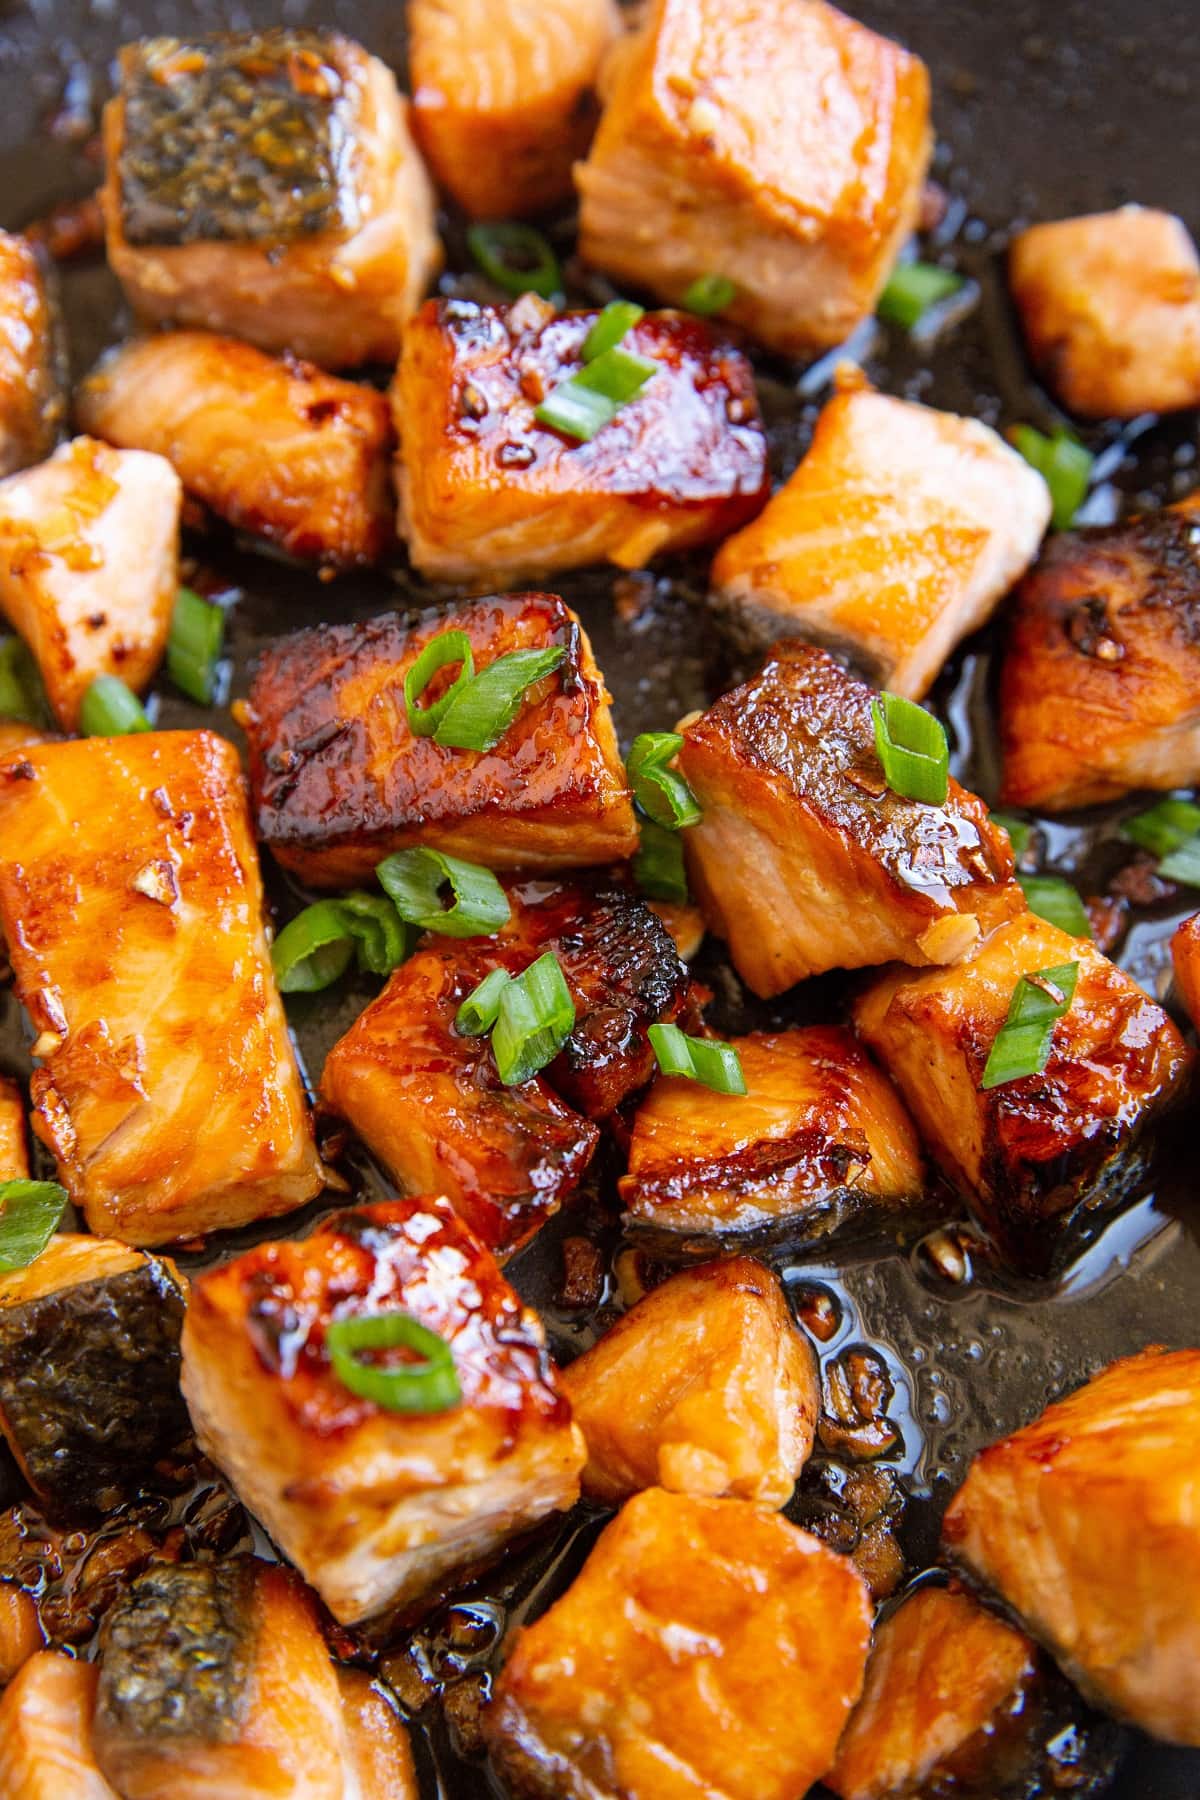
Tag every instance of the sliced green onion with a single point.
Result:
(583, 404)
(1064, 465)
(382, 940)
(1056, 901)
(706, 1060)
(21, 693)
(911, 745)
(312, 950)
(482, 711)
(618, 317)
(535, 1018)
(428, 1385)
(662, 794)
(1019, 833)
(658, 863)
(516, 257)
(479, 1011)
(1023, 1043)
(415, 880)
(439, 653)
(709, 294)
(194, 646)
(111, 709)
(912, 289)
(29, 1216)
(1170, 831)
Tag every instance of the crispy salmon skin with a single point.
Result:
(340, 779)
(487, 493)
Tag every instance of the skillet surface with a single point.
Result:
(1042, 109)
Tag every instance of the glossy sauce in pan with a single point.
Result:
(929, 1352)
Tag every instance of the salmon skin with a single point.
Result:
(33, 401)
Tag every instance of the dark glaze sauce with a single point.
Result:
(1046, 111)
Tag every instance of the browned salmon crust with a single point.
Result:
(131, 902)
(489, 494)
(804, 859)
(775, 142)
(1041, 1149)
(272, 445)
(1100, 690)
(1085, 1524)
(33, 405)
(376, 1507)
(340, 780)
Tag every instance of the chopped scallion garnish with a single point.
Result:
(912, 289)
(194, 646)
(21, 693)
(315, 948)
(1056, 900)
(911, 745)
(382, 940)
(482, 710)
(618, 317)
(1023, 1043)
(29, 1216)
(1170, 831)
(111, 709)
(426, 1384)
(706, 1060)
(658, 864)
(516, 257)
(709, 294)
(1063, 463)
(441, 652)
(1019, 832)
(584, 403)
(479, 1011)
(416, 881)
(535, 1017)
(662, 794)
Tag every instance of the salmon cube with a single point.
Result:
(818, 1140)
(707, 1647)
(377, 1507)
(46, 1747)
(503, 96)
(1042, 1150)
(1084, 1523)
(1110, 304)
(89, 1370)
(131, 902)
(1185, 957)
(32, 368)
(1100, 688)
(265, 184)
(89, 566)
(947, 1684)
(271, 445)
(14, 1154)
(706, 1386)
(781, 145)
(935, 519)
(804, 859)
(340, 780)
(489, 494)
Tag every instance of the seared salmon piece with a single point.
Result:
(1110, 304)
(89, 566)
(376, 1749)
(804, 859)
(1085, 1524)
(935, 519)
(14, 1154)
(947, 1684)
(707, 1647)
(340, 780)
(21, 1634)
(46, 1747)
(266, 184)
(376, 1507)
(215, 1684)
(1100, 688)
(429, 1103)
(503, 96)
(32, 397)
(778, 144)
(131, 902)
(1185, 957)
(489, 494)
(272, 445)
(819, 1138)
(1038, 1151)
(706, 1386)
(89, 1370)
